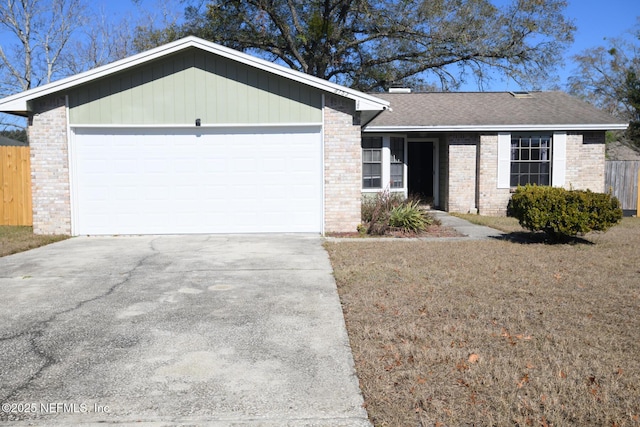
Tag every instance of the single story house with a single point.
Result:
(468, 151)
(194, 137)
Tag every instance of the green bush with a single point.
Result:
(563, 214)
(409, 217)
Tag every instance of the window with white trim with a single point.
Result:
(397, 162)
(372, 162)
(530, 159)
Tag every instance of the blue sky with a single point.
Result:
(597, 20)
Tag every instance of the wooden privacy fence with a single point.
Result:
(621, 177)
(15, 186)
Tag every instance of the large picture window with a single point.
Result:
(372, 162)
(530, 160)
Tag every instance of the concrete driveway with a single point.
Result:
(174, 330)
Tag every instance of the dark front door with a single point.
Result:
(420, 163)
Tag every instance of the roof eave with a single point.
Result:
(499, 128)
(18, 102)
(17, 107)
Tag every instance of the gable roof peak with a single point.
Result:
(17, 104)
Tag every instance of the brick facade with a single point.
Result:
(585, 157)
(585, 161)
(462, 161)
(50, 167)
(492, 201)
(342, 166)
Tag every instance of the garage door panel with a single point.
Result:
(129, 182)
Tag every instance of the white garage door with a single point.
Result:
(170, 181)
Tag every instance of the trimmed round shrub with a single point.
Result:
(563, 214)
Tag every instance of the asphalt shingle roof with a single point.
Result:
(454, 109)
(10, 142)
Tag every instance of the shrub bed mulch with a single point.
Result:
(431, 232)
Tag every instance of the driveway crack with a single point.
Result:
(36, 331)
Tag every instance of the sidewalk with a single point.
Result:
(471, 231)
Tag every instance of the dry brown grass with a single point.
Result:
(14, 239)
(495, 333)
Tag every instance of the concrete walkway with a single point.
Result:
(471, 231)
(175, 330)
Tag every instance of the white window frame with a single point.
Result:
(558, 159)
(372, 162)
(544, 155)
(386, 164)
(403, 163)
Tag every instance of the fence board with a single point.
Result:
(15, 186)
(621, 178)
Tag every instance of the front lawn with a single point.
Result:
(14, 239)
(495, 333)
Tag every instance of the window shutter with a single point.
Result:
(559, 159)
(504, 160)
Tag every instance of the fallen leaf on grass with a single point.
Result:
(505, 333)
(380, 307)
(523, 381)
(462, 382)
(473, 397)
(461, 366)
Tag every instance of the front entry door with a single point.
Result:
(420, 164)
